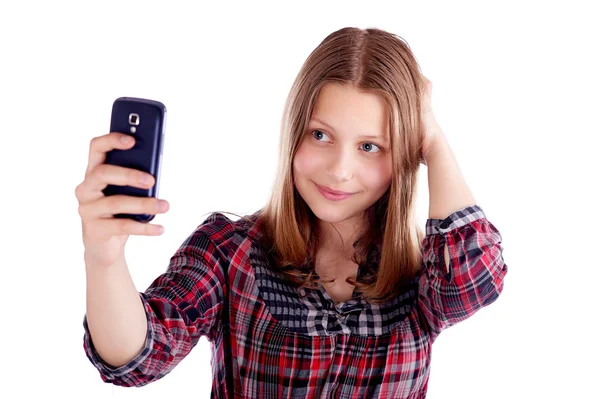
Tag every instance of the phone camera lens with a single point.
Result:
(134, 119)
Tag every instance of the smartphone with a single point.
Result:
(144, 120)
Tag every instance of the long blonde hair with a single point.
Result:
(375, 61)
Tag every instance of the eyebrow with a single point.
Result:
(368, 136)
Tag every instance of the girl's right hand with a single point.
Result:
(104, 237)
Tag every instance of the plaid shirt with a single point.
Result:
(289, 343)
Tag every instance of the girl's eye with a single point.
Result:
(369, 146)
(318, 134)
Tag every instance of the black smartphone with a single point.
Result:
(145, 121)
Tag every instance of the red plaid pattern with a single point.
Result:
(288, 345)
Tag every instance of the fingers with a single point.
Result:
(97, 210)
(103, 175)
(99, 146)
(106, 207)
(103, 228)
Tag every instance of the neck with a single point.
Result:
(339, 237)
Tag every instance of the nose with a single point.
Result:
(341, 166)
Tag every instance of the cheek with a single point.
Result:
(378, 177)
(304, 163)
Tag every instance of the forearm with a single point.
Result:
(448, 190)
(115, 313)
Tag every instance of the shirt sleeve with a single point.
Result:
(182, 305)
(476, 272)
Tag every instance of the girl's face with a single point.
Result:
(346, 148)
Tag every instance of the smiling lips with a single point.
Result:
(333, 195)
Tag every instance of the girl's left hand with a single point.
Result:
(430, 124)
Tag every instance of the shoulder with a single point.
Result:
(228, 233)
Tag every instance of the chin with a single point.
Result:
(331, 216)
(332, 213)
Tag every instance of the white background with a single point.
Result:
(515, 88)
